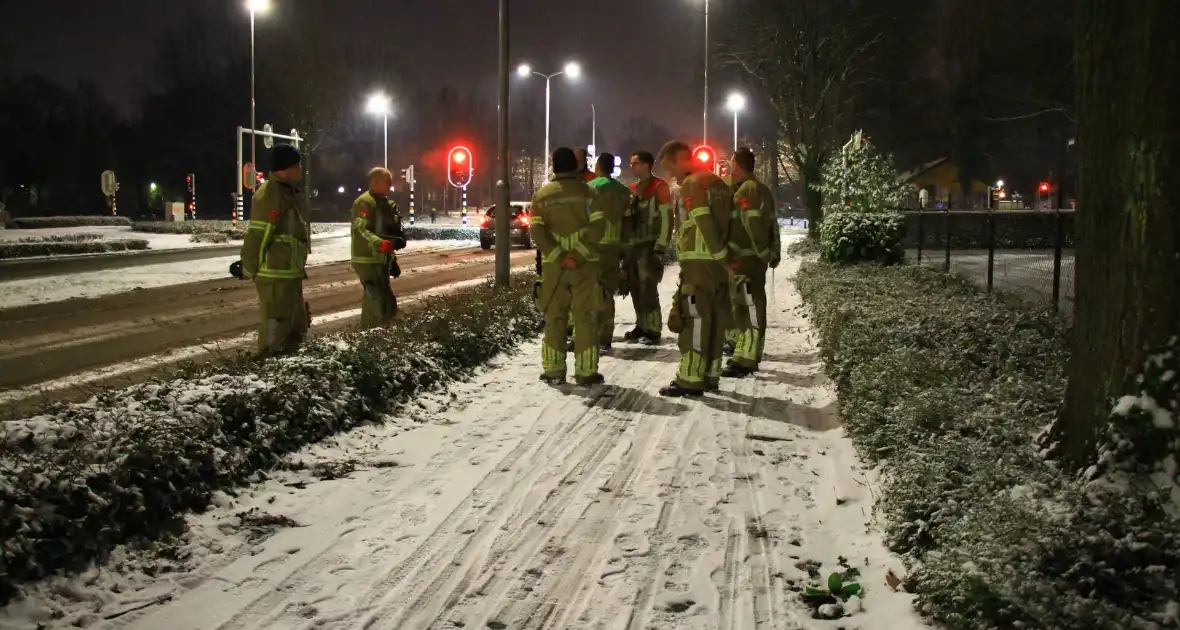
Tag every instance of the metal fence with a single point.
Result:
(1025, 252)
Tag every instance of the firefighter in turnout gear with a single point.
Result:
(650, 223)
(701, 308)
(376, 235)
(750, 242)
(274, 253)
(567, 226)
(586, 175)
(613, 200)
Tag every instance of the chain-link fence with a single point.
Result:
(1025, 252)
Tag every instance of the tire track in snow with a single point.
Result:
(555, 598)
(527, 530)
(658, 565)
(420, 585)
(437, 585)
(267, 606)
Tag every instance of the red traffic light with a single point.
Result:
(705, 158)
(1044, 187)
(460, 167)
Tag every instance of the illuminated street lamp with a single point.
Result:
(571, 70)
(380, 105)
(736, 103)
(255, 7)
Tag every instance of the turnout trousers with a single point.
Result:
(645, 270)
(378, 304)
(748, 295)
(565, 292)
(285, 317)
(700, 316)
(609, 282)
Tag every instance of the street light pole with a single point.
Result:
(705, 131)
(503, 193)
(573, 71)
(380, 105)
(548, 79)
(253, 122)
(736, 103)
(593, 127)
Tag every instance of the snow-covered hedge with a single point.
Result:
(946, 387)
(78, 479)
(851, 237)
(61, 238)
(203, 226)
(211, 237)
(64, 248)
(424, 233)
(34, 223)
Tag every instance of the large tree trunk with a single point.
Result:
(1128, 270)
(810, 172)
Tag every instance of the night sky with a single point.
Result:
(638, 57)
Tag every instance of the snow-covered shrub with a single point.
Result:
(64, 248)
(61, 238)
(852, 237)
(35, 223)
(946, 387)
(862, 199)
(802, 247)
(79, 479)
(210, 237)
(863, 181)
(446, 233)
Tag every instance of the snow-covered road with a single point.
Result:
(507, 504)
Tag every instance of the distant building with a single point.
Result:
(941, 179)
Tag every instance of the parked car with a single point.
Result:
(518, 226)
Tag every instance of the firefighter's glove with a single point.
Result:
(395, 270)
(399, 243)
(675, 323)
(385, 247)
(235, 270)
(774, 261)
(569, 262)
(624, 283)
(732, 265)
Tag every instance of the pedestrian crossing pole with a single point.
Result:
(464, 210)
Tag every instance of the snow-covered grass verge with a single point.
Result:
(946, 388)
(33, 223)
(229, 228)
(79, 479)
(30, 249)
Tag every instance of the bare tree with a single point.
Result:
(810, 57)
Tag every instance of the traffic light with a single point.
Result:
(459, 168)
(723, 168)
(1044, 188)
(705, 158)
(190, 181)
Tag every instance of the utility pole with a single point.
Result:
(503, 194)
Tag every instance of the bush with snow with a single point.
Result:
(862, 196)
(61, 238)
(66, 247)
(946, 388)
(36, 223)
(79, 479)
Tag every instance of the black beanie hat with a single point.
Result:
(284, 156)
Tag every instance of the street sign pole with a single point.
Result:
(110, 186)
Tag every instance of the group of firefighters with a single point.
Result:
(595, 238)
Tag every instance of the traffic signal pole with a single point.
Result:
(503, 194)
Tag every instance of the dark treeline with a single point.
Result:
(986, 85)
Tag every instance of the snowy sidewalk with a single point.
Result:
(516, 507)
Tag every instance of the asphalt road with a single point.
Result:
(42, 342)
